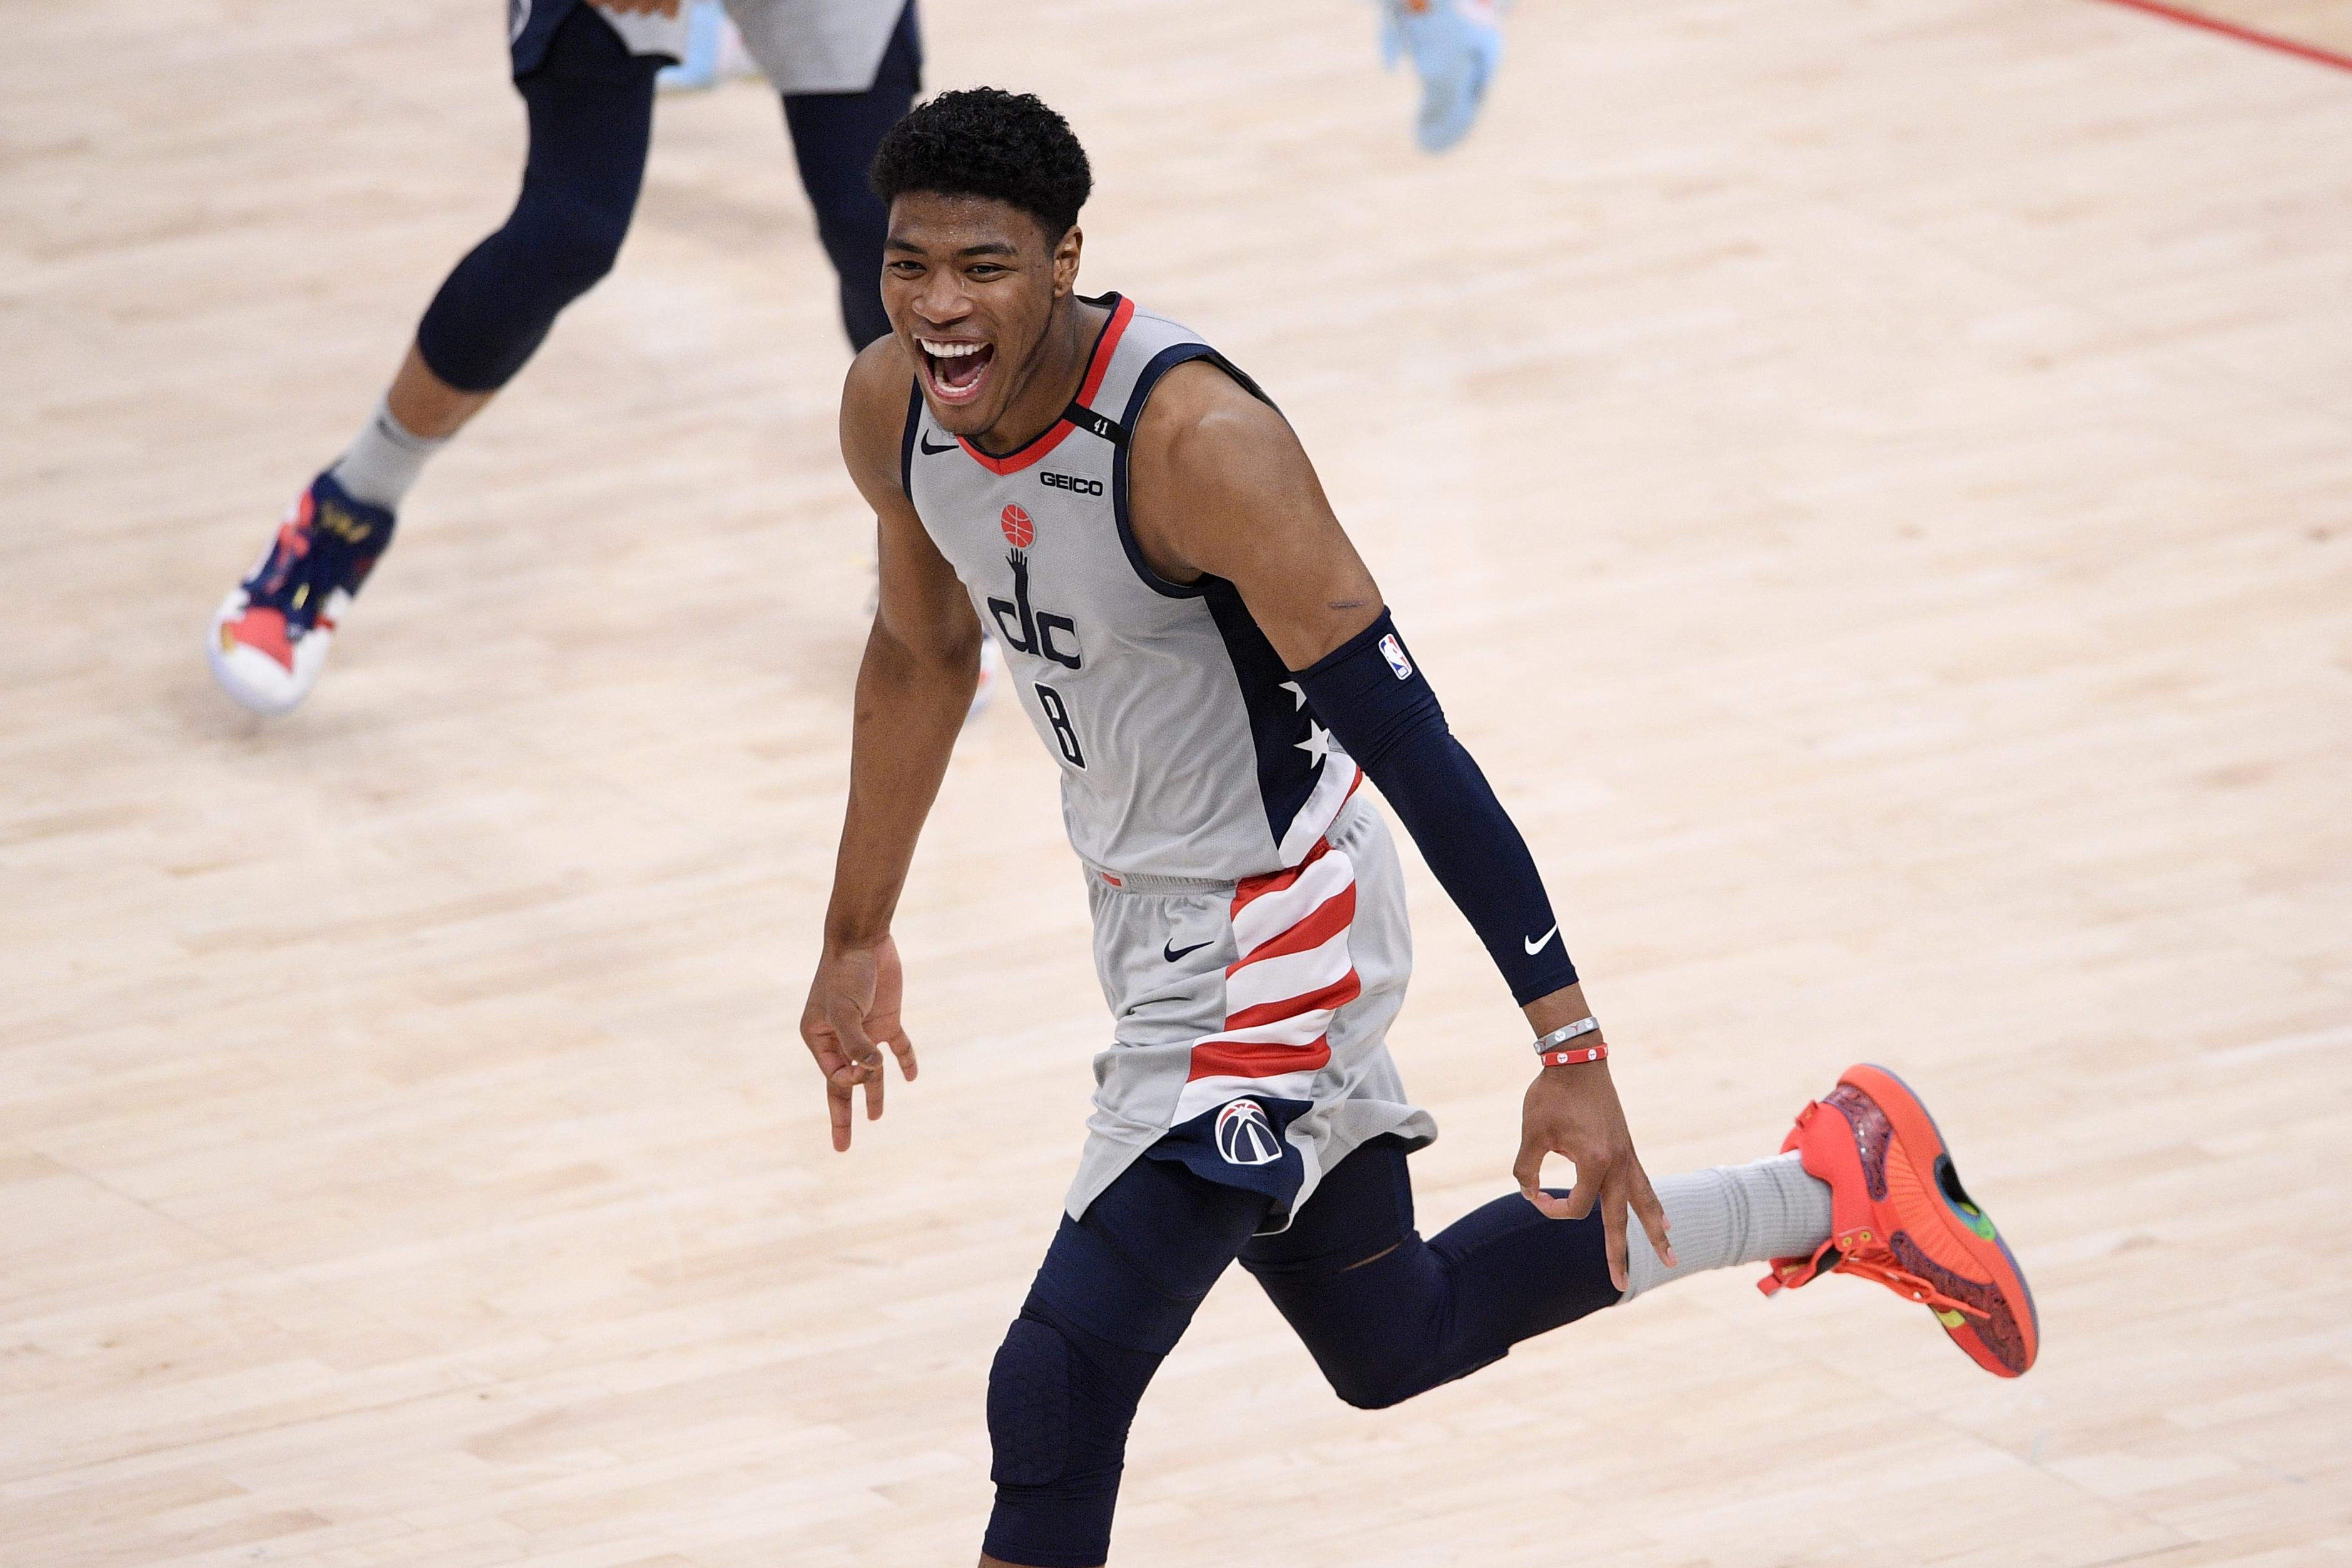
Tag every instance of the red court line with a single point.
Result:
(2243, 35)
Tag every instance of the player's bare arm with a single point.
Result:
(1223, 487)
(913, 689)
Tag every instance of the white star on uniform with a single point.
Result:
(1297, 694)
(1317, 743)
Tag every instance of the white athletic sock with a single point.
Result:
(1731, 1214)
(384, 459)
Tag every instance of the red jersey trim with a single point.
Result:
(1098, 367)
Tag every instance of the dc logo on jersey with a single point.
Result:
(1024, 629)
(1244, 1136)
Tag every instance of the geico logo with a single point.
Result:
(1070, 482)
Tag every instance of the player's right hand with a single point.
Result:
(1574, 1111)
(852, 1012)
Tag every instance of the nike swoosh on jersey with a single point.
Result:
(923, 440)
(1172, 953)
(1536, 944)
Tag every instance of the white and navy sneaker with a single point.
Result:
(269, 638)
(1456, 46)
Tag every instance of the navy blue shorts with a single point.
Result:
(530, 27)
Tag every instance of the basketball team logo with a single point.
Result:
(1019, 531)
(1244, 1136)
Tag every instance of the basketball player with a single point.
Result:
(846, 69)
(1209, 663)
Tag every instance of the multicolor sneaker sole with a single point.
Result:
(1901, 1217)
(268, 641)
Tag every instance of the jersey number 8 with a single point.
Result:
(1057, 714)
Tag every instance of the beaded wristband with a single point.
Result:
(1575, 1054)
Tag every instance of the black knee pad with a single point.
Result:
(1060, 1402)
(563, 245)
(1029, 1406)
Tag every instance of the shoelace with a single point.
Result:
(1877, 1263)
(306, 565)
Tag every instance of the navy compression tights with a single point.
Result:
(591, 105)
(1385, 1314)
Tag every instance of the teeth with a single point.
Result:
(948, 351)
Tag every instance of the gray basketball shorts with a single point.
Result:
(1250, 1018)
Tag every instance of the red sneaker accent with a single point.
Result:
(1900, 1217)
(264, 631)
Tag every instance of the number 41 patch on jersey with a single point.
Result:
(1395, 651)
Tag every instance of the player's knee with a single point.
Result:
(1374, 1387)
(1059, 1405)
(565, 246)
(1029, 1406)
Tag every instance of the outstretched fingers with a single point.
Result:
(871, 1064)
(847, 1057)
(836, 1107)
(904, 1050)
(1612, 1232)
(1652, 1215)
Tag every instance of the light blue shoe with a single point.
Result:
(706, 29)
(1456, 46)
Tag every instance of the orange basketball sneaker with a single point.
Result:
(1899, 1216)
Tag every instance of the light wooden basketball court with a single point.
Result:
(1873, 482)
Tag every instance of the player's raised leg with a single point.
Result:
(1388, 1315)
(589, 94)
(1864, 1186)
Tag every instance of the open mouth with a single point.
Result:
(957, 371)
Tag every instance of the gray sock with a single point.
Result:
(384, 459)
(1731, 1214)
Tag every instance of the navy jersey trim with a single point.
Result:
(1163, 362)
(1099, 358)
(1279, 721)
(907, 439)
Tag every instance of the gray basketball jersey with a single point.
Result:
(1186, 749)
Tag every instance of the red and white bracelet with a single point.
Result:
(1548, 1051)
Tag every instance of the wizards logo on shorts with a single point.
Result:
(1243, 1142)
(1244, 1136)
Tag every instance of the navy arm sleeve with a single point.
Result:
(1369, 696)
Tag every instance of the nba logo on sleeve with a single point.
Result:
(1244, 1136)
(1393, 651)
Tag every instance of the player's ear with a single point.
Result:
(1065, 260)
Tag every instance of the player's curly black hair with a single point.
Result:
(985, 141)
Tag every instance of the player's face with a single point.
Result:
(971, 284)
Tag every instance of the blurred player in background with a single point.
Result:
(1454, 47)
(847, 70)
